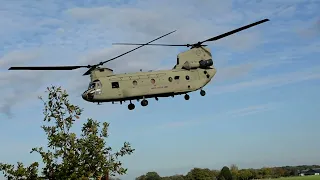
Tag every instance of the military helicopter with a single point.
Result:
(194, 69)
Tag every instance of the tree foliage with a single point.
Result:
(149, 176)
(174, 177)
(225, 174)
(199, 174)
(68, 156)
(152, 176)
(20, 172)
(234, 171)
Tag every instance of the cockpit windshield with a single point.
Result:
(96, 84)
(91, 86)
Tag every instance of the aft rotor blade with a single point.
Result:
(101, 63)
(150, 44)
(46, 67)
(235, 31)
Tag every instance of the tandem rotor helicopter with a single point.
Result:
(194, 70)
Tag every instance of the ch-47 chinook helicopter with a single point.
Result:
(194, 70)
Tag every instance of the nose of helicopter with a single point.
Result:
(87, 95)
(84, 96)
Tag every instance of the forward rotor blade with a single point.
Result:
(150, 44)
(235, 31)
(101, 63)
(89, 70)
(139, 47)
(46, 67)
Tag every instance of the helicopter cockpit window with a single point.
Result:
(91, 86)
(95, 84)
(177, 60)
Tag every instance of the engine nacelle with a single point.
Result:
(197, 64)
(205, 63)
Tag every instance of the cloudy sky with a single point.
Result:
(261, 109)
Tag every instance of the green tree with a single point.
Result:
(225, 174)
(68, 156)
(199, 174)
(149, 176)
(20, 172)
(215, 173)
(152, 176)
(280, 172)
(245, 174)
(177, 177)
(234, 171)
(266, 172)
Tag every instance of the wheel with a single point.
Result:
(144, 102)
(131, 106)
(202, 93)
(186, 97)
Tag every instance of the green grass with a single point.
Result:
(300, 178)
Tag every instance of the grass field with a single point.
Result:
(301, 178)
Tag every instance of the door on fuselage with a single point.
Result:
(191, 78)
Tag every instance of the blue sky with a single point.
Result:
(261, 109)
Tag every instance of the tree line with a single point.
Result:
(232, 173)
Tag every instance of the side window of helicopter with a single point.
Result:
(176, 77)
(187, 77)
(134, 82)
(170, 79)
(115, 85)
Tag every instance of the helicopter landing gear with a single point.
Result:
(202, 93)
(144, 103)
(131, 106)
(186, 97)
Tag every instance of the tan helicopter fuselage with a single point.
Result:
(189, 74)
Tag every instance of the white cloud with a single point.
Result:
(19, 57)
(251, 110)
(313, 30)
(241, 111)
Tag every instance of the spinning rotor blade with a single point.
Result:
(235, 31)
(208, 40)
(91, 67)
(101, 63)
(154, 44)
(46, 67)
